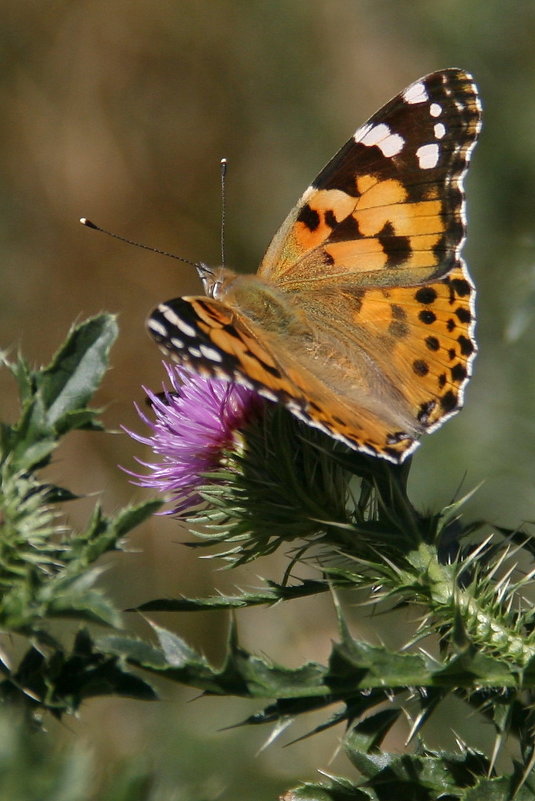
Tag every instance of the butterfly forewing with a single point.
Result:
(390, 203)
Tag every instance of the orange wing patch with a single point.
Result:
(430, 342)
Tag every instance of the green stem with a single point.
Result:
(482, 623)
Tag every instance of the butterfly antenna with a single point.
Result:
(90, 224)
(223, 174)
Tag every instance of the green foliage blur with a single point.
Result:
(120, 110)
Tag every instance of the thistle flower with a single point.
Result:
(263, 477)
(197, 422)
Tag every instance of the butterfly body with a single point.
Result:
(360, 317)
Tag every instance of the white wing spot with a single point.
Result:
(295, 408)
(186, 328)
(157, 328)
(361, 132)
(390, 144)
(177, 343)
(417, 93)
(243, 381)
(211, 353)
(194, 351)
(375, 134)
(267, 393)
(440, 130)
(435, 109)
(427, 156)
(169, 314)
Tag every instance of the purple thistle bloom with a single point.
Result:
(196, 422)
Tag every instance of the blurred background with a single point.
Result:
(120, 110)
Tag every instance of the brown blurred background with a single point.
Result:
(120, 110)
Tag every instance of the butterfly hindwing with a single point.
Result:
(205, 336)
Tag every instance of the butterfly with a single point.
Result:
(360, 317)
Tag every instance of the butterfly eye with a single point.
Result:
(215, 280)
(212, 280)
(217, 290)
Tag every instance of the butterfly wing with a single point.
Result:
(370, 256)
(374, 245)
(415, 341)
(211, 339)
(388, 209)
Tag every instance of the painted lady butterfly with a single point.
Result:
(360, 318)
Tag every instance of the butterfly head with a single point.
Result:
(215, 280)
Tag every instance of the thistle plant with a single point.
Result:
(47, 570)
(249, 479)
(281, 483)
